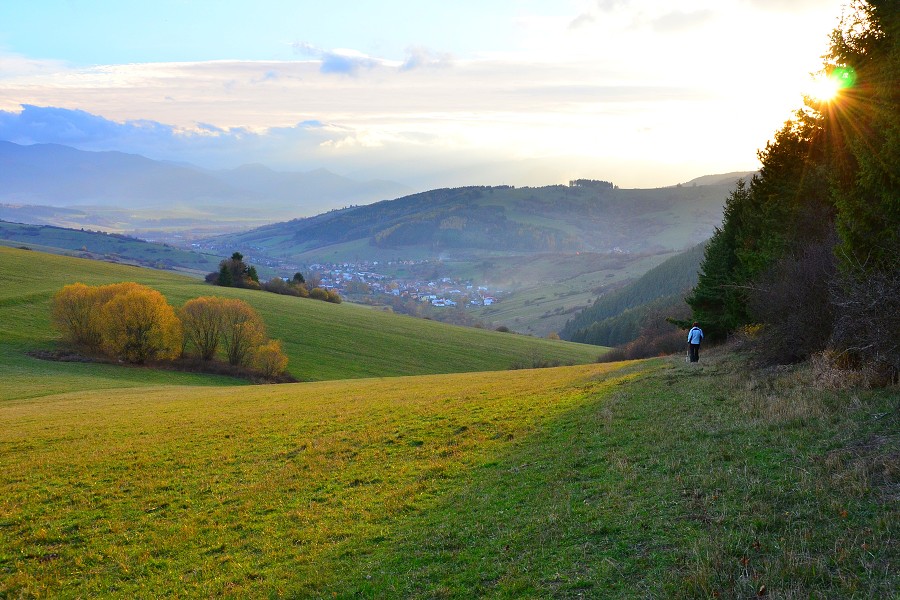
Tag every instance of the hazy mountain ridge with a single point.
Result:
(57, 175)
(504, 219)
(552, 250)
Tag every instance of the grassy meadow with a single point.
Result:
(323, 341)
(648, 479)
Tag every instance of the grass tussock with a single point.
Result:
(803, 500)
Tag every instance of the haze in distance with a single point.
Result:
(641, 93)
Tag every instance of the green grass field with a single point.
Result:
(652, 479)
(649, 479)
(107, 247)
(323, 341)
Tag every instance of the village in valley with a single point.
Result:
(355, 280)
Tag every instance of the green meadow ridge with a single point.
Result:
(111, 247)
(621, 480)
(321, 340)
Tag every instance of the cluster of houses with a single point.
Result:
(350, 279)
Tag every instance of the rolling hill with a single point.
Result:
(322, 340)
(481, 221)
(651, 478)
(112, 247)
(551, 250)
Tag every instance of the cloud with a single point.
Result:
(341, 62)
(16, 65)
(582, 20)
(418, 57)
(36, 124)
(345, 64)
(678, 21)
(609, 5)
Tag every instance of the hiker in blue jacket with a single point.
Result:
(695, 336)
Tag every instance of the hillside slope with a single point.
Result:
(484, 220)
(656, 479)
(616, 318)
(322, 340)
(104, 246)
(550, 250)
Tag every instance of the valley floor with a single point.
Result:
(646, 479)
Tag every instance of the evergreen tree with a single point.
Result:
(225, 279)
(836, 165)
(864, 131)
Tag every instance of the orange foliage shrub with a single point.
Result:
(269, 359)
(242, 330)
(201, 320)
(74, 314)
(139, 325)
(124, 320)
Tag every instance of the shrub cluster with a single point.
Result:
(125, 321)
(134, 323)
(234, 272)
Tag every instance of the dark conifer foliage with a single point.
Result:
(833, 169)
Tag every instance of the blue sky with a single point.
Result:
(93, 33)
(640, 92)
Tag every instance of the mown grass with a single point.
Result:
(652, 479)
(323, 341)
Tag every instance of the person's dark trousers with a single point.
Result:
(694, 352)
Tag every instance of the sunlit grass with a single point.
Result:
(645, 480)
(213, 491)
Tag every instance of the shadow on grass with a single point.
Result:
(582, 507)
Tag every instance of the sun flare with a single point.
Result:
(825, 89)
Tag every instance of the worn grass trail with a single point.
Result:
(686, 482)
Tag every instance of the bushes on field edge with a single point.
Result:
(133, 323)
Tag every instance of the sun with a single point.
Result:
(826, 88)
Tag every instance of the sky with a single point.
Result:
(643, 93)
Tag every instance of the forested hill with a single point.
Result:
(616, 317)
(586, 215)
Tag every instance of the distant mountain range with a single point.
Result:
(51, 175)
(553, 249)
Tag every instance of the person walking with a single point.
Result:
(695, 336)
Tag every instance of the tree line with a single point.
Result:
(234, 272)
(134, 323)
(809, 247)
